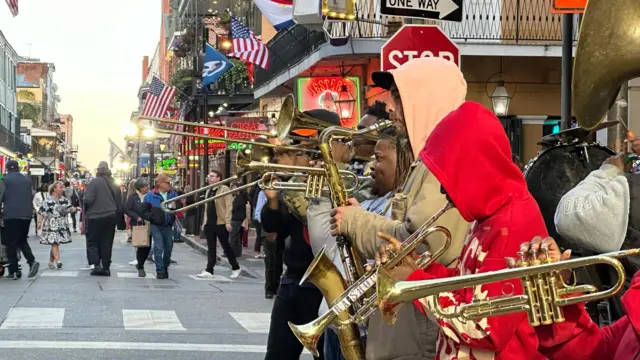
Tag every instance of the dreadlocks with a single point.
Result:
(404, 155)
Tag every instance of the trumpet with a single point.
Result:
(314, 186)
(327, 278)
(544, 295)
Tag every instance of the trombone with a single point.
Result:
(327, 278)
(545, 293)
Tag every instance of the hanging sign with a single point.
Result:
(337, 94)
(568, 6)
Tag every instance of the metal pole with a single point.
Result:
(138, 155)
(567, 68)
(152, 163)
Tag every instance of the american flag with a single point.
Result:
(247, 45)
(159, 97)
(13, 6)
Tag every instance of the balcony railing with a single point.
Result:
(484, 21)
(12, 141)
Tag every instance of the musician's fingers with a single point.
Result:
(333, 213)
(353, 202)
(378, 254)
(511, 262)
(395, 243)
(333, 221)
(535, 245)
(368, 267)
(566, 255)
(524, 247)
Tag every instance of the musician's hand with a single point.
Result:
(316, 163)
(535, 250)
(336, 220)
(353, 202)
(617, 161)
(388, 251)
(228, 227)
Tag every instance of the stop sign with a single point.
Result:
(416, 41)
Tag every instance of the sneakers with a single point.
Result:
(161, 276)
(134, 262)
(205, 275)
(59, 264)
(33, 269)
(235, 273)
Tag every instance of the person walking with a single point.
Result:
(216, 226)
(238, 216)
(55, 229)
(121, 224)
(162, 235)
(103, 202)
(139, 215)
(74, 200)
(38, 200)
(15, 192)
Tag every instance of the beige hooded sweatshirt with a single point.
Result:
(430, 88)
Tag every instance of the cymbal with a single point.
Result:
(575, 133)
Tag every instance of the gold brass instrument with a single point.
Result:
(545, 293)
(314, 186)
(325, 275)
(607, 55)
(351, 259)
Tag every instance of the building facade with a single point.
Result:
(10, 141)
(36, 89)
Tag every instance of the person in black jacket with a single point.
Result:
(238, 215)
(140, 215)
(294, 302)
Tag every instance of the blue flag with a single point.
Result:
(215, 65)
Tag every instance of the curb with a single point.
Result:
(219, 259)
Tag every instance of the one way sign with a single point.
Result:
(449, 10)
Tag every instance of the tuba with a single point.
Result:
(606, 57)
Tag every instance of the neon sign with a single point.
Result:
(322, 92)
(210, 147)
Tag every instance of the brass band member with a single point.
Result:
(423, 91)
(495, 197)
(298, 303)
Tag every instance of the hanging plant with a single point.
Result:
(181, 79)
(235, 78)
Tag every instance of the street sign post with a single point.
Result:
(568, 6)
(448, 10)
(416, 41)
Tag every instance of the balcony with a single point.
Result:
(12, 141)
(501, 22)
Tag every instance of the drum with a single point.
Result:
(555, 171)
(549, 176)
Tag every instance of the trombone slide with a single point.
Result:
(544, 292)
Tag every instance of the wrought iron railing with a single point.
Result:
(12, 141)
(484, 21)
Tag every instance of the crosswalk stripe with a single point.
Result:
(239, 348)
(253, 322)
(165, 320)
(214, 278)
(34, 318)
(60, 273)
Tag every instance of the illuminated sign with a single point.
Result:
(200, 146)
(568, 6)
(328, 92)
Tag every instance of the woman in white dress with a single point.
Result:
(55, 228)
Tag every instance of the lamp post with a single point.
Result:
(500, 99)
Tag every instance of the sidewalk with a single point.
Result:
(251, 267)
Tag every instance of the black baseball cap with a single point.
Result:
(382, 79)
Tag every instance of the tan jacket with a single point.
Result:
(224, 205)
(412, 337)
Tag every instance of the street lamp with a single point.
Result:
(148, 133)
(345, 103)
(500, 99)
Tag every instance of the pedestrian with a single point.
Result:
(258, 201)
(38, 200)
(121, 224)
(238, 216)
(103, 202)
(162, 235)
(74, 200)
(140, 215)
(216, 225)
(55, 229)
(15, 192)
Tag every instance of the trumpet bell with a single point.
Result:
(607, 55)
(384, 291)
(290, 119)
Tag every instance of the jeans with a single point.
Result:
(332, 346)
(100, 240)
(162, 246)
(176, 233)
(220, 232)
(296, 304)
(15, 234)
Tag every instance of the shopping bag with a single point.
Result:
(140, 236)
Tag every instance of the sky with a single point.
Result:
(97, 48)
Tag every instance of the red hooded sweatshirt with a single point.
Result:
(469, 153)
(580, 338)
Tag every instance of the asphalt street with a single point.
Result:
(68, 314)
